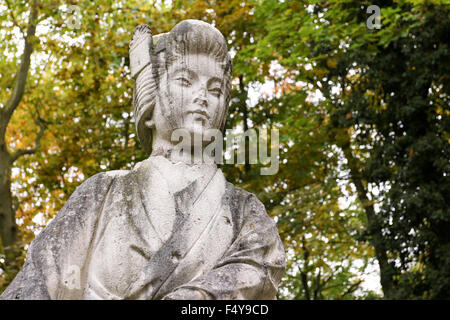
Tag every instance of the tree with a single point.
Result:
(384, 93)
(15, 89)
(319, 235)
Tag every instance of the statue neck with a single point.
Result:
(189, 156)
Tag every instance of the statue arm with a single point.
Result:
(60, 249)
(252, 267)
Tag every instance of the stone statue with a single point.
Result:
(168, 228)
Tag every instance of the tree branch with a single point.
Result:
(304, 279)
(352, 288)
(317, 286)
(37, 141)
(13, 17)
(303, 274)
(243, 107)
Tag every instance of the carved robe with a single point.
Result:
(140, 235)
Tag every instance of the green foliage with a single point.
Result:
(385, 96)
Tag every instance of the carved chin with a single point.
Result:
(197, 120)
(197, 127)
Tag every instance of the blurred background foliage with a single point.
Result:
(362, 195)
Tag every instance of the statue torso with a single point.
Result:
(157, 205)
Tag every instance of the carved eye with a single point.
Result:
(215, 91)
(184, 81)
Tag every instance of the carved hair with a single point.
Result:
(187, 37)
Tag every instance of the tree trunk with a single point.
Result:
(8, 227)
(387, 271)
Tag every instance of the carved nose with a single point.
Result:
(201, 97)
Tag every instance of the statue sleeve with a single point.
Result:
(54, 264)
(253, 265)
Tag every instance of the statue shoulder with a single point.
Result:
(254, 222)
(91, 193)
(247, 206)
(244, 197)
(101, 179)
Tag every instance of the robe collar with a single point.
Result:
(179, 218)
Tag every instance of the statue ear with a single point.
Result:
(140, 49)
(150, 123)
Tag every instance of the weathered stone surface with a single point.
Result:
(168, 228)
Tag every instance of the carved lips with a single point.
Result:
(200, 113)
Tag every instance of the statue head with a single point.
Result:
(183, 80)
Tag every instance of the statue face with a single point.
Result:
(192, 96)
